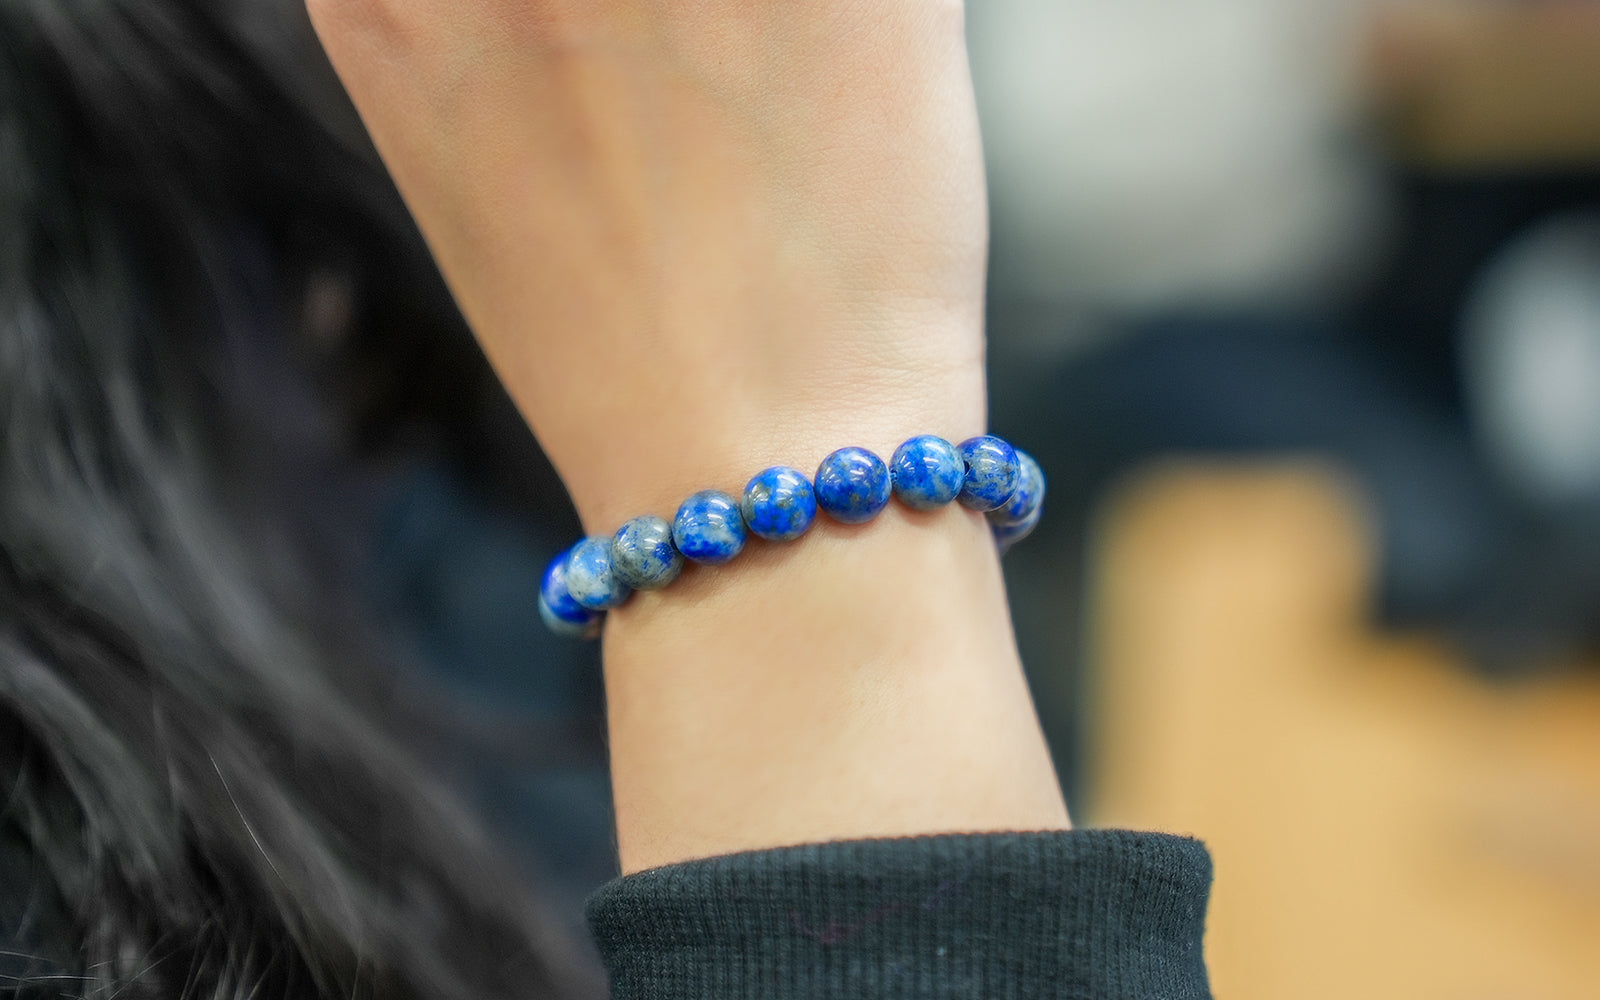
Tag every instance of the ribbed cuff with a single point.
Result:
(1091, 914)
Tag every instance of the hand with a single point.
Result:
(695, 237)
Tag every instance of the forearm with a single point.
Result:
(860, 682)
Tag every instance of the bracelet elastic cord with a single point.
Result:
(851, 486)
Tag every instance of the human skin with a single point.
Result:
(698, 238)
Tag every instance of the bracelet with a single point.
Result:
(851, 486)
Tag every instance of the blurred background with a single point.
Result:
(1299, 303)
(1296, 301)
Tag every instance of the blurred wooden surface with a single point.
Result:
(1468, 84)
(1384, 824)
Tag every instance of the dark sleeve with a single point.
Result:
(1083, 915)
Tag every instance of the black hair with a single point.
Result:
(207, 287)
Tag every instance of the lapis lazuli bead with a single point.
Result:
(586, 629)
(852, 485)
(642, 554)
(708, 528)
(779, 504)
(1024, 504)
(992, 472)
(927, 471)
(589, 577)
(560, 612)
(1007, 535)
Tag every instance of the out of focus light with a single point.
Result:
(1155, 152)
(1532, 356)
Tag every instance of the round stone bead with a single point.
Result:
(852, 485)
(642, 554)
(927, 471)
(1007, 535)
(589, 577)
(587, 629)
(779, 504)
(560, 612)
(708, 528)
(1024, 504)
(992, 472)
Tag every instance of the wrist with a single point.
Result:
(654, 475)
(708, 430)
(862, 682)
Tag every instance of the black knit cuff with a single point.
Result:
(1081, 914)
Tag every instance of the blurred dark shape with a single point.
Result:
(223, 352)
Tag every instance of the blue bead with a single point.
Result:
(708, 528)
(642, 554)
(779, 504)
(928, 472)
(589, 577)
(1006, 536)
(992, 472)
(561, 626)
(1025, 502)
(560, 612)
(852, 485)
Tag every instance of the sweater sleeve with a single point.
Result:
(1083, 915)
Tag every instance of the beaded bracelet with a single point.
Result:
(851, 486)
